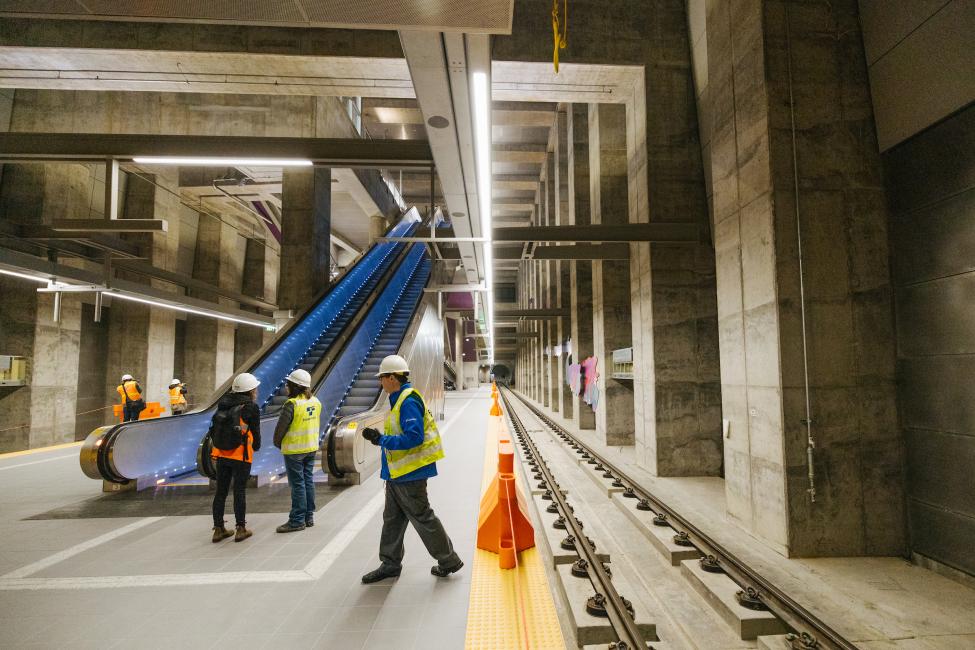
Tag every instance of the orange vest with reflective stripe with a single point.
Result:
(238, 453)
(129, 389)
(176, 396)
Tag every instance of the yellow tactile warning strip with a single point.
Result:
(28, 452)
(510, 609)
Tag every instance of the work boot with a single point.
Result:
(381, 573)
(443, 572)
(220, 533)
(242, 533)
(309, 523)
(288, 527)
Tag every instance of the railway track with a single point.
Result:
(807, 631)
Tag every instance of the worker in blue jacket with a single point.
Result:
(411, 447)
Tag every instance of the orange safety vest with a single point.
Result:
(238, 453)
(176, 396)
(129, 390)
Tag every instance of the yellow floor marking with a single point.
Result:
(27, 452)
(494, 617)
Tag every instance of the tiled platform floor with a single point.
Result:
(164, 584)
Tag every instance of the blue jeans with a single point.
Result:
(300, 468)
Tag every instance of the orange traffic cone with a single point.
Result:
(495, 407)
(502, 526)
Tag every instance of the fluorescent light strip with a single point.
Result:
(25, 276)
(482, 138)
(189, 310)
(246, 162)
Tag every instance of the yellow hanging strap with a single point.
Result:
(559, 35)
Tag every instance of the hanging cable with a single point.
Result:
(560, 30)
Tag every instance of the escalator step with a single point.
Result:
(364, 402)
(363, 392)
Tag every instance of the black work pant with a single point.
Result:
(131, 410)
(407, 503)
(237, 472)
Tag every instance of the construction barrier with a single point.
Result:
(503, 527)
(152, 410)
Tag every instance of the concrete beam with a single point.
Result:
(675, 233)
(332, 152)
(530, 313)
(573, 252)
(109, 225)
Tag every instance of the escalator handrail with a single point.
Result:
(103, 451)
(379, 404)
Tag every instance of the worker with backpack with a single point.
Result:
(235, 434)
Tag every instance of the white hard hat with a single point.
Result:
(175, 381)
(300, 377)
(244, 383)
(127, 377)
(394, 364)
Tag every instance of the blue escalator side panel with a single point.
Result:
(167, 446)
(332, 391)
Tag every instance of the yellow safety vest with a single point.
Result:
(176, 396)
(302, 435)
(128, 390)
(404, 461)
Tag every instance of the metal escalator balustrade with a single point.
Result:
(331, 332)
(333, 389)
(150, 450)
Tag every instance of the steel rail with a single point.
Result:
(617, 609)
(809, 630)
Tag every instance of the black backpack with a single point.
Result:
(225, 430)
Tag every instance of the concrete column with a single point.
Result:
(459, 347)
(250, 339)
(834, 198)
(610, 279)
(142, 339)
(43, 412)
(560, 139)
(677, 389)
(553, 284)
(209, 341)
(306, 224)
(580, 271)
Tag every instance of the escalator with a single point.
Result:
(331, 339)
(351, 358)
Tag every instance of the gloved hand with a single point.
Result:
(372, 435)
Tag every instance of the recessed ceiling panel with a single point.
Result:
(484, 16)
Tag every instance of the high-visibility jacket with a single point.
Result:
(243, 452)
(176, 396)
(302, 435)
(129, 391)
(404, 461)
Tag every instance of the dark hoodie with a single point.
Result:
(249, 414)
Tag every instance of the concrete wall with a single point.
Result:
(920, 58)
(931, 185)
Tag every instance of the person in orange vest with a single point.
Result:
(235, 434)
(177, 397)
(132, 402)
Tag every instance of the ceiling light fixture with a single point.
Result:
(482, 139)
(232, 162)
(25, 276)
(115, 293)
